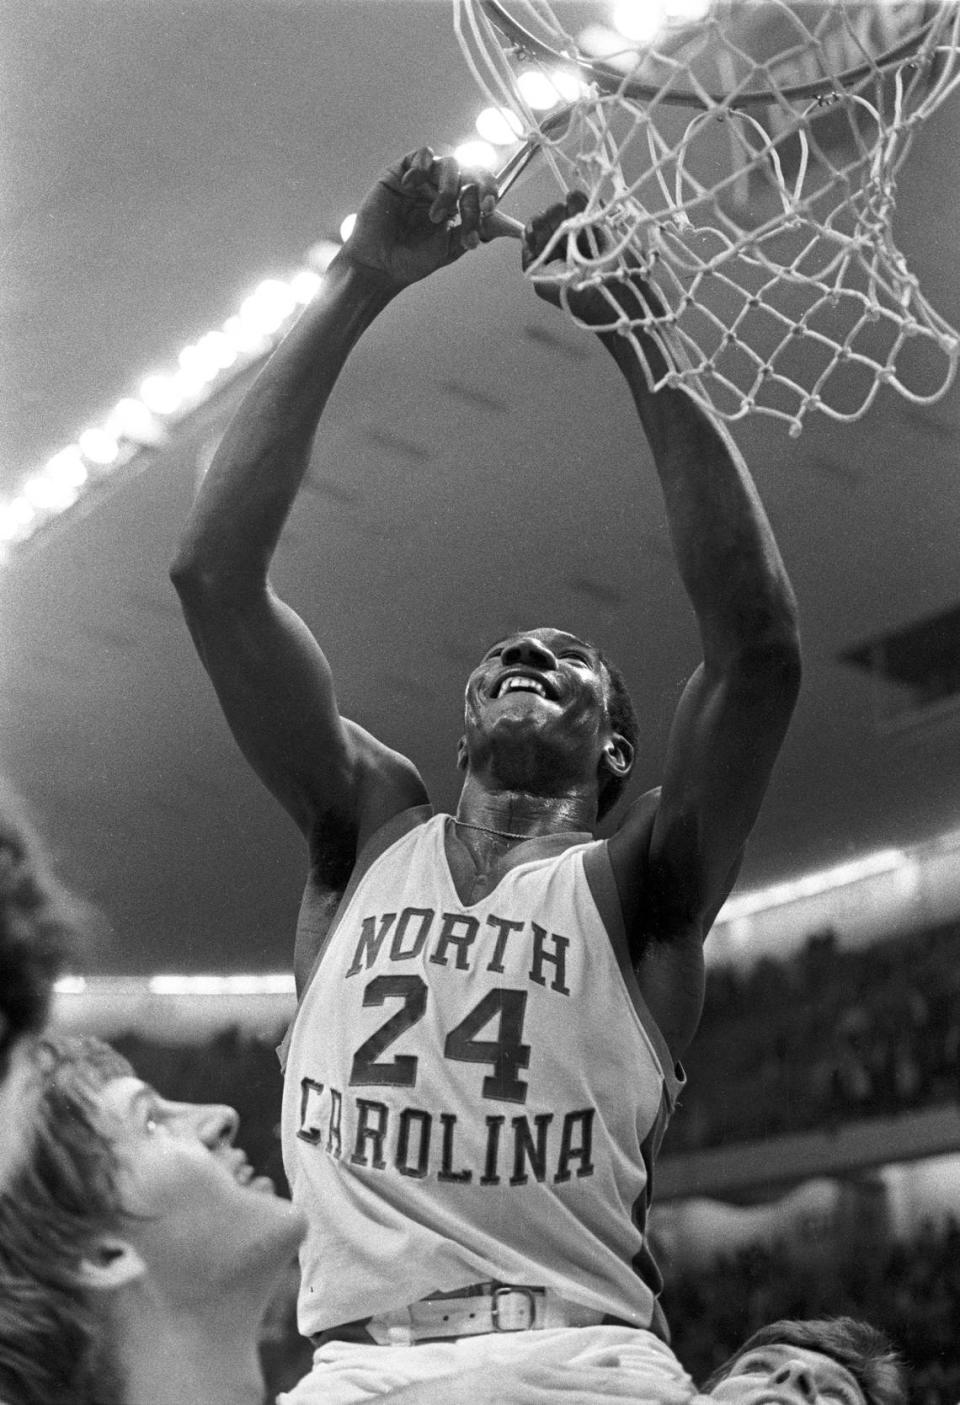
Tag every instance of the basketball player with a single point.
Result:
(486, 1048)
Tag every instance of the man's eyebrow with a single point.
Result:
(143, 1093)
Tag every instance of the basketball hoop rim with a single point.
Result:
(609, 81)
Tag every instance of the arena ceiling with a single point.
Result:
(480, 467)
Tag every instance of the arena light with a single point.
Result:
(48, 494)
(250, 332)
(640, 21)
(98, 446)
(272, 983)
(321, 254)
(246, 339)
(70, 985)
(810, 885)
(161, 394)
(687, 11)
(499, 126)
(268, 306)
(474, 154)
(16, 514)
(67, 467)
(305, 285)
(604, 43)
(131, 419)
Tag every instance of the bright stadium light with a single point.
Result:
(568, 84)
(268, 306)
(67, 467)
(49, 495)
(70, 985)
(161, 394)
(15, 515)
(245, 338)
(499, 126)
(98, 446)
(130, 419)
(541, 91)
(810, 885)
(473, 154)
(639, 20)
(305, 285)
(607, 44)
(686, 11)
(254, 984)
(536, 90)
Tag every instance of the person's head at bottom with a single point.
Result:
(137, 1251)
(825, 1361)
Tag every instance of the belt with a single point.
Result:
(468, 1312)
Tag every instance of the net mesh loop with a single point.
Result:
(763, 219)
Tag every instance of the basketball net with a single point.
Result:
(744, 162)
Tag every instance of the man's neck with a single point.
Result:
(192, 1358)
(518, 815)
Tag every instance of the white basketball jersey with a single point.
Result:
(474, 1091)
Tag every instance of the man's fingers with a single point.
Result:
(497, 225)
(416, 167)
(445, 176)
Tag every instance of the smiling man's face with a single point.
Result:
(535, 692)
(778, 1374)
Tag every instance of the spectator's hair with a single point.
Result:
(52, 1328)
(40, 927)
(865, 1351)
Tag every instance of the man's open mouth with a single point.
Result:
(521, 683)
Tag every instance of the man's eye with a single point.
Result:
(155, 1121)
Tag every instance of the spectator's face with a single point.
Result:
(19, 1094)
(778, 1374)
(200, 1217)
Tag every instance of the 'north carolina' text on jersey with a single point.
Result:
(474, 1091)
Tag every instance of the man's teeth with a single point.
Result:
(527, 685)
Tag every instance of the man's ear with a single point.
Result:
(111, 1263)
(462, 754)
(618, 755)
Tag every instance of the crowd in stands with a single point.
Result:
(826, 1036)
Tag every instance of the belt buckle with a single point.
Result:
(512, 1309)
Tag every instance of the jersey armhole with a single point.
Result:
(603, 888)
(373, 849)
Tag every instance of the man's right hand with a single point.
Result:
(423, 213)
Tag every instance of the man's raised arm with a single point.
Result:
(271, 677)
(735, 709)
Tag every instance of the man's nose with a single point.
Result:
(214, 1123)
(528, 649)
(797, 1375)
